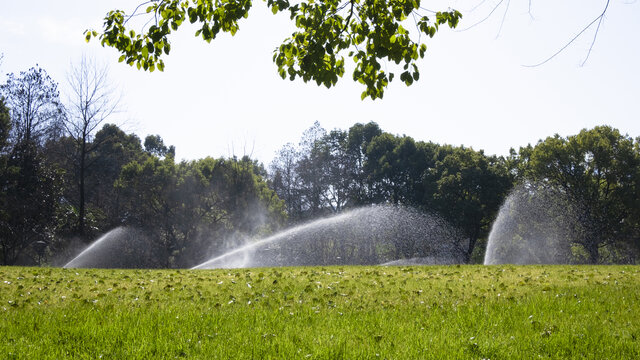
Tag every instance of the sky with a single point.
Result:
(226, 98)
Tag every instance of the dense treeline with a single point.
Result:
(61, 188)
(598, 171)
(67, 176)
(596, 174)
(336, 170)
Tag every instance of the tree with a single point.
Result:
(28, 201)
(366, 166)
(326, 173)
(30, 186)
(112, 149)
(284, 180)
(336, 174)
(379, 167)
(358, 140)
(597, 169)
(116, 149)
(309, 170)
(92, 101)
(395, 166)
(34, 102)
(468, 188)
(5, 126)
(154, 145)
(254, 208)
(371, 32)
(190, 208)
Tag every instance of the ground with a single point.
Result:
(393, 312)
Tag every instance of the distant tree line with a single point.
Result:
(596, 173)
(332, 171)
(68, 175)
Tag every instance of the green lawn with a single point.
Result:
(439, 312)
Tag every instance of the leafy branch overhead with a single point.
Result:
(371, 32)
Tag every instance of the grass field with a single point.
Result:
(496, 312)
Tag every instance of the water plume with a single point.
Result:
(364, 236)
(119, 248)
(535, 225)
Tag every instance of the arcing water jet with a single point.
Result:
(535, 225)
(365, 236)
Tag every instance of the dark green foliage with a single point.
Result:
(284, 180)
(190, 208)
(154, 145)
(338, 170)
(467, 188)
(28, 205)
(111, 149)
(30, 115)
(5, 125)
(35, 108)
(371, 32)
(396, 167)
(597, 169)
(194, 209)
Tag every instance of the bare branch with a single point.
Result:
(134, 13)
(346, 22)
(92, 100)
(598, 19)
(485, 19)
(478, 5)
(415, 21)
(342, 6)
(429, 10)
(595, 36)
(504, 16)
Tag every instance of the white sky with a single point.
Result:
(226, 98)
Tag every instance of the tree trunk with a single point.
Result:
(593, 251)
(81, 205)
(473, 239)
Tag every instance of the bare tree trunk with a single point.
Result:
(92, 101)
(81, 205)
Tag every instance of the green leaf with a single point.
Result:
(370, 32)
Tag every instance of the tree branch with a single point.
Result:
(598, 19)
(485, 19)
(504, 16)
(133, 14)
(346, 22)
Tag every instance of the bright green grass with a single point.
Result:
(497, 312)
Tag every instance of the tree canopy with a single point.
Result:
(597, 169)
(371, 32)
(577, 197)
